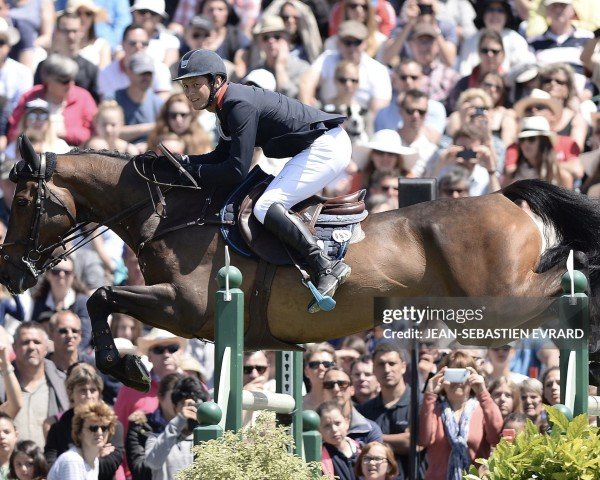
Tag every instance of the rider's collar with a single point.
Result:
(221, 95)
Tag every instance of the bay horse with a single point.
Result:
(475, 247)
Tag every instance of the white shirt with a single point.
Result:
(373, 76)
(112, 78)
(71, 466)
(425, 150)
(15, 79)
(162, 42)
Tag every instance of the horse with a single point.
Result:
(484, 246)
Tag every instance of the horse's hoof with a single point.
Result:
(130, 371)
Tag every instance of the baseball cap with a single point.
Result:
(201, 22)
(261, 78)
(424, 29)
(353, 29)
(141, 62)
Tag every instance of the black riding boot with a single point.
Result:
(290, 230)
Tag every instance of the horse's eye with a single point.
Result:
(22, 202)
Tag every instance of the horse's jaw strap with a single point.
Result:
(22, 169)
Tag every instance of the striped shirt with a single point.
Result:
(552, 48)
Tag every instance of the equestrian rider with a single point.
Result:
(249, 117)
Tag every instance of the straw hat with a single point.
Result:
(158, 336)
(100, 14)
(537, 127)
(538, 97)
(386, 140)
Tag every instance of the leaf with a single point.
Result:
(557, 418)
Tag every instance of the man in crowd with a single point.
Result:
(65, 333)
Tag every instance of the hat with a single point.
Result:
(11, 33)
(524, 72)
(156, 6)
(537, 97)
(536, 127)
(156, 337)
(261, 78)
(547, 3)
(269, 24)
(191, 364)
(99, 12)
(37, 104)
(201, 22)
(482, 8)
(353, 29)
(386, 140)
(424, 29)
(141, 62)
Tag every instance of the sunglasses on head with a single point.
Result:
(57, 271)
(174, 115)
(330, 384)
(99, 428)
(348, 42)
(314, 364)
(346, 80)
(260, 369)
(488, 51)
(67, 330)
(160, 349)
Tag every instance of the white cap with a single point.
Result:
(547, 3)
(536, 127)
(156, 6)
(261, 78)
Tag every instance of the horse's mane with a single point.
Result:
(105, 152)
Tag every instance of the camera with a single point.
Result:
(425, 9)
(456, 375)
(467, 154)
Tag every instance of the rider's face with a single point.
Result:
(197, 90)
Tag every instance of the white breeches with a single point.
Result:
(308, 172)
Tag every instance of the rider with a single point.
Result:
(249, 117)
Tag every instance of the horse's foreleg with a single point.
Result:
(134, 301)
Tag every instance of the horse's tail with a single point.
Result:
(576, 220)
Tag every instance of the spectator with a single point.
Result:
(382, 12)
(516, 421)
(84, 388)
(108, 123)
(374, 87)
(27, 462)
(170, 451)
(68, 41)
(591, 160)
(590, 58)
(364, 382)
(551, 383)
(229, 39)
(125, 326)
(338, 386)
(42, 384)
(454, 183)
(141, 425)
(65, 333)
(506, 395)
(383, 191)
(9, 435)
(255, 378)
(339, 452)
(140, 104)
(164, 46)
(94, 48)
(376, 462)
(35, 22)
(502, 120)
(459, 426)
(71, 107)
(532, 400)
(317, 359)
(114, 77)
(61, 290)
(390, 409)
(93, 424)
(500, 358)
(118, 17)
(14, 397)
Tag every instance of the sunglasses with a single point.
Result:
(526, 140)
(260, 369)
(495, 10)
(3, 42)
(63, 80)
(558, 81)
(356, 6)
(412, 111)
(67, 330)
(160, 349)
(38, 116)
(330, 384)
(346, 80)
(452, 191)
(351, 43)
(57, 271)
(536, 108)
(197, 35)
(316, 364)
(275, 36)
(85, 13)
(286, 18)
(406, 77)
(99, 428)
(491, 86)
(174, 115)
(145, 11)
(135, 43)
(488, 51)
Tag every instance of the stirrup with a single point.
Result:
(325, 302)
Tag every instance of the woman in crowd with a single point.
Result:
(339, 452)
(93, 48)
(124, 326)
(537, 156)
(14, 397)
(84, 387)
(533, 404)
(558, 80)
(454, 412)
(35, 22)
(551, 383)
(506, 395)
(177, 116)
(503, 121)
(8, 436)
(376, 462)
(27, 462)
(317, 359)
(454, 183)
(93, 424)
(108, 121)
(228, 38)
(60, 289)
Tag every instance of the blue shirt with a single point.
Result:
(138, 113)
(390, 118)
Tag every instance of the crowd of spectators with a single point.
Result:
(477, 93)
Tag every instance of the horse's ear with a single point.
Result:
(28, 153)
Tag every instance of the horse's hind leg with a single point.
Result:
(134, 301)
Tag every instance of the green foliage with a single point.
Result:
(570, 452)
(259, 452)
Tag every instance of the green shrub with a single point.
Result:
(259, 452)
(570, 452)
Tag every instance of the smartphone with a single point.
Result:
(509, 434)
(456, 375)
(425, 9)
(467, 154)
(480, 111)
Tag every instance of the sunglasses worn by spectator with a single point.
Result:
(98, 428)
(452, 191)
(412, 111)
(495, 10)
(174, 115)
(487, 51)
(85, 13)
(406, 77)
(57, 271)
(351, 42)
(528, 139)
(268, 36)
(558, 81)
(356, 6)
(345, 80)
(198, 35)
(286, 18)
(160, 349)
(63, 80)
(67, 330)
(536, 108)
(260, 369)
(374, 460)
(38, 116)
(134, 43)
(316, 364)
(330, 384)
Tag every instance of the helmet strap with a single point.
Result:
(213, 92)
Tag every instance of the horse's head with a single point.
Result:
(41, 213)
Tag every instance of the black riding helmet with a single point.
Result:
(202, 63)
